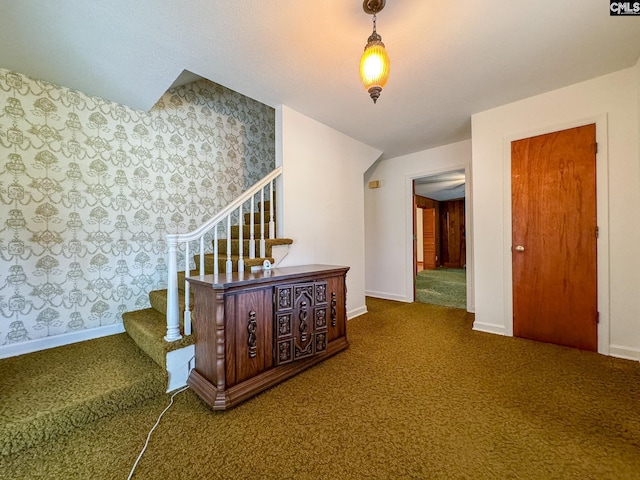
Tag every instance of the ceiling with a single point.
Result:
(442, 187)
(448, 59)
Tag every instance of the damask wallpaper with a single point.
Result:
(90, 188)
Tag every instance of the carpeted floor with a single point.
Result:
(48, 393)
(443, 286)
(417, 395)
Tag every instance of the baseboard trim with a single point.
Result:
(387, 296)
(627, 353)
(356, 312)
(31, 346)
(489, 328)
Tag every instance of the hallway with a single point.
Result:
(443, 286)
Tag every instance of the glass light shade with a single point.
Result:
(374, 68)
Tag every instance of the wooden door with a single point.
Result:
(453, 234)
(429, 238)
(249, 324)
(414, 209)
(303, 312)
(553, 186)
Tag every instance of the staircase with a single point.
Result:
(53, 392)
(169, 342)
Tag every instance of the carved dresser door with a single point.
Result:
(300, 321)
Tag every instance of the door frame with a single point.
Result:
(602, 214)
(410, 234)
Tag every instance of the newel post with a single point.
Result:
(173, 322)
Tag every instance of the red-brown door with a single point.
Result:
(453, 234)
(553, 186)
(429, 238)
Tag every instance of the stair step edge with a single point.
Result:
(147, 328)
(158, 300)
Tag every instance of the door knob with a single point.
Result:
(519, 248)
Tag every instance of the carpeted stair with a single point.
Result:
(149, 326)
(49, 393)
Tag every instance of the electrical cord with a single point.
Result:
(151, 431)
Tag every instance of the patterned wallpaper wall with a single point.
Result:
(90, 188)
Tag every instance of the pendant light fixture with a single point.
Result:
(374, 64)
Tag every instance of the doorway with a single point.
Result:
(554, 238)
(440, 239)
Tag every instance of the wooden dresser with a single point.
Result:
(256, 329)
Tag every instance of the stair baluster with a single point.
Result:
(201, 268)
(272, 223)
(229, 265)
(187, 270)
(215, 251)
(241, 245)
(174, 240)
(252, 238)
(263, 246)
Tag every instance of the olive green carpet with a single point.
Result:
(417, 395)
(443, 286)
(148, 327)
(49, 393)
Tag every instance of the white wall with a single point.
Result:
(638, 100)
(612, 102)
(322, 196)
(389, 218)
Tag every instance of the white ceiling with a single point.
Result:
(448, 59)
(441, 187)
